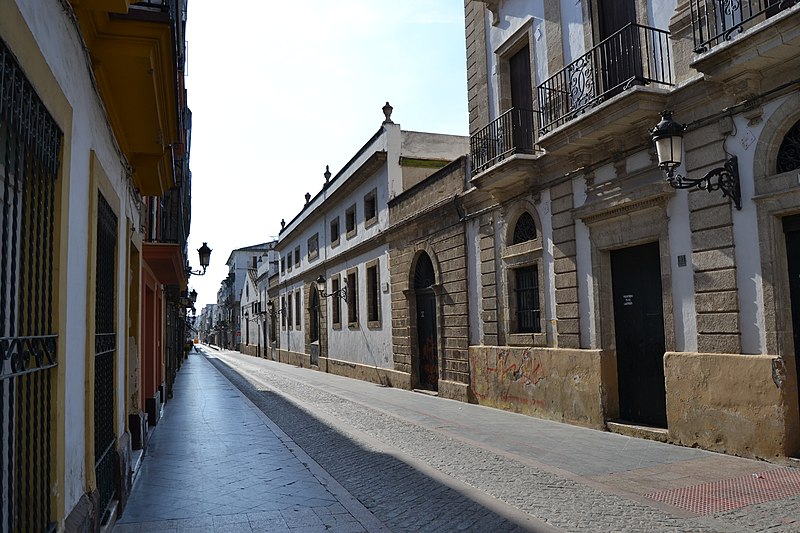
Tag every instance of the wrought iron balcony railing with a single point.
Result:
(635, 55)
(510, 133)
(715, 21)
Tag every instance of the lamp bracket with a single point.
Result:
(190, 272)
(724, 178)
(341, 293)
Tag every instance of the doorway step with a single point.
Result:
(426, 391)
(635, 430)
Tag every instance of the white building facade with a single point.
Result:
(338, 240)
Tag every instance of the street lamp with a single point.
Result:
(341, 293)
(668, 138)
(273, 311)
(193, 296)
(205, 258)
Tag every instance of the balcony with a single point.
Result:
(737, 39)
(137, 52)
(627, 75)
(714, 22)
(504, 149)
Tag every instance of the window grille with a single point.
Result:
(527, 293)
(30, 148)
(525, 230)
(105, 454)
(789, 152)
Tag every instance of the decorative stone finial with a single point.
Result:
(327, 174)
(387, 110)
(283, 224)
(308, 197)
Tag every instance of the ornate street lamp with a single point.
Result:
(193, 296)
(668, 138)
(341, 293)
(273, 311)
(205, 258)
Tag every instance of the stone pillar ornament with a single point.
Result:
(327, 174)
(387, 110)
(308, 197)
(283, 224)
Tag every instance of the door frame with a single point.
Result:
(640, 222)
(411, 301)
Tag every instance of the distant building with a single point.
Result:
(339, 237)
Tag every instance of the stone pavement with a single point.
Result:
(215, 463)
(420, 463)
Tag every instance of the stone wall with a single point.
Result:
(557, 384)
(566, 270)
(727, 403)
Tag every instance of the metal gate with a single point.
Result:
(30, 146)
(105, 350)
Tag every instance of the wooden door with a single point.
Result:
(639, 331)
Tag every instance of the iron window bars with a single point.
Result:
(30, 149)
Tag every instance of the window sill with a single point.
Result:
(371, 222)
(352, 325)
(374, 324)
(350, 234)
(337, 327)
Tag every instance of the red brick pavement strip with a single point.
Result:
(735, 493)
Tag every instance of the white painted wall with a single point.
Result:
(474, 282)
(85, 130)
(583, 247)
(742, 143)
(548, 263)
(572, 30)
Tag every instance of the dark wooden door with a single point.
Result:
(521, 100)
(426, 337)
(791, 227)
(639, 329)
(619, 55)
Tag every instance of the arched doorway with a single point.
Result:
(427, 353)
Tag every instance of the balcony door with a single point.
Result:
(619, 58)
(521, 99)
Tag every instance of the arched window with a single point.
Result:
(424, 276)
(525, 230)
(789, 152)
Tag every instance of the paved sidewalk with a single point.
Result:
(572, 478)
(215, 463)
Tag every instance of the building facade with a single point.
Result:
(92, 210)
(331, 303)
(603, 295)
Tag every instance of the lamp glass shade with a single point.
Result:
(670, 150)
(193, 295)
(321, 284)
(205, 255)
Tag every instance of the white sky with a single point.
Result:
(280, 89)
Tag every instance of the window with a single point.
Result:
(297, 257)
(336, 303)
(297, 314)
(527, 300)
(789, 152)
(283, 312)
(525, 229)
(313, 246)
(289, 262)
(352, 298)
(283, 265)
(335, 231)
(373, 296)
(350, 221)
(370, 208)
(289, 311)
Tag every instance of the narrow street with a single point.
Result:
(325, 453)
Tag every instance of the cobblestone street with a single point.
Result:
(420, 463)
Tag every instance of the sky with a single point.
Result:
(278, 90)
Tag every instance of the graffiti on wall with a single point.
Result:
(508, 376)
